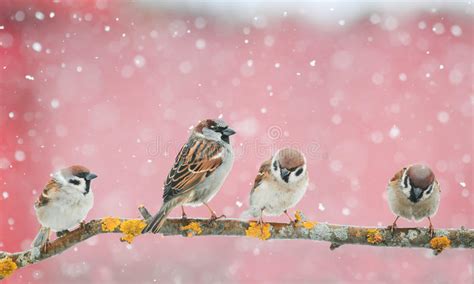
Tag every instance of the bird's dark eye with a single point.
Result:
(74, 181)
(299, 172)
(275, 166)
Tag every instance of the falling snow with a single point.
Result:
(20, 16)
(376, 137)
(321, 207)
(394, 132)
(438, 28)
(139, 61)
(20, 155)
(37, 46)
(346, 211)
(200, 44)
(443, 117)
(54, 103)
(39, 15)
(456, 30)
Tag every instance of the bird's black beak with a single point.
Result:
(228, 132)
(91, 176)
(418, 192)
(415, 194)
(285, 174)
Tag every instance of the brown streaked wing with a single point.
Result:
(264, 170)
(197, 159)
(50, 188)
(398, 175)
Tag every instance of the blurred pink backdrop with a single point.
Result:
(115, 86)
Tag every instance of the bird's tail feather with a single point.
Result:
(154, 225)
(42, 237)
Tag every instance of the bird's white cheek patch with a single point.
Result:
(405, 190)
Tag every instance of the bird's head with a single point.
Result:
(214, 129)
(289, 165)
(75, 178)
(417, 182)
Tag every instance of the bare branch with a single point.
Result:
(337, 235)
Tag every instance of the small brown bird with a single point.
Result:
(279, 185)
(414, 194)
(64, 202)
(199, 171)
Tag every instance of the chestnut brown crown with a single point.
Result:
(290, 158)
(421, 176)
(78, 171)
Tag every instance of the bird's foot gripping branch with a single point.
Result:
(302, 229)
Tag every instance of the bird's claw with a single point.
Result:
(82, 225)
(292, 222)
(61, 233)
(392, 228)
(214, 218)
(45, 247)
(431, 231)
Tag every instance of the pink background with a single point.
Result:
(385, 91)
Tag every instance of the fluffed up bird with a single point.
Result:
(279, 185)
(199, 171)
(414, 194)
(64, 203)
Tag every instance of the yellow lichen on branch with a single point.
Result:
(193, 229)
(7, 267)
(260, 231)
(131, 229)
(298, 216)
(440, 243)
(109, 224)
(299, 222)
(374, 236)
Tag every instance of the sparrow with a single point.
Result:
(64, 203)
(199, 171)
(279, 185)
(414, 194)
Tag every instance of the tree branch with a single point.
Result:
(337, 235)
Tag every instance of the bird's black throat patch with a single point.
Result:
(88, 187)
(413, 197)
